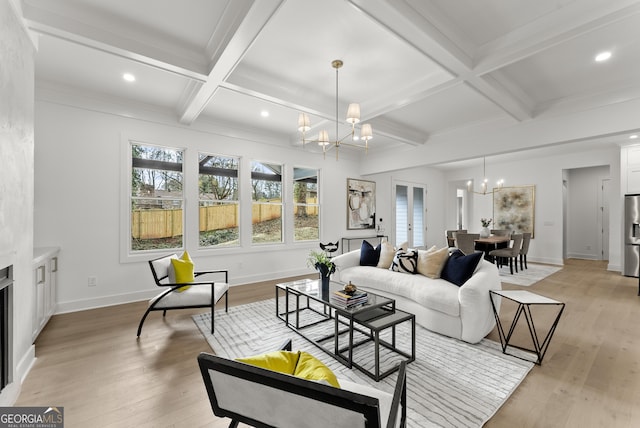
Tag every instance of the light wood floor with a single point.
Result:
(91, 363)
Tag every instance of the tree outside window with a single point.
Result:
(218, 201)
(157, 199)
(266, 184)
(305, 204)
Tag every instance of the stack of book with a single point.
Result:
(348, 300)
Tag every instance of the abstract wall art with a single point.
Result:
(514, 209)
(361, 204)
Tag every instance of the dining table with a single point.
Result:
(491, 243)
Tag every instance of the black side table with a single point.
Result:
(525, 299)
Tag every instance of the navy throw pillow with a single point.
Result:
(369, 256)
(459, 268)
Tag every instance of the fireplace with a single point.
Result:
(6, 330)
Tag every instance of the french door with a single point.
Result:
(410, 214)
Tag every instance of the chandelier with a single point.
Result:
(483, 186)
(353, 117)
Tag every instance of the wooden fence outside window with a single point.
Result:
(162, 223)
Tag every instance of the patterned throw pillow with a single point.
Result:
(405, 261)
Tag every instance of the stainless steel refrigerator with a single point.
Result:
(631, 234)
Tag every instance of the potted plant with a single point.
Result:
(323, 264)
(485, 232)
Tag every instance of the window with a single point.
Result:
(157, 198)
(266, 214)
(218, 198)
(305, 205)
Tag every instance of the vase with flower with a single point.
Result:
(324, 266)
(485, 232)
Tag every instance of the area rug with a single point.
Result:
(450, 384)
(527, 277)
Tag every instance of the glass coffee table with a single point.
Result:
(307, 307)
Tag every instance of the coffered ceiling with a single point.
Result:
(418, 68)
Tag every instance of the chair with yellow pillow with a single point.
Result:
(287, 389)
(184, 287)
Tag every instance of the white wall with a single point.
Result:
(16, 184)
(78, 201)
(433, 180)
(546, 173)
(78, 198)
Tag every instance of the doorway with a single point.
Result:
(410, 214)
(586, 197)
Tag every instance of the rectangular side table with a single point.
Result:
(376, 325)
(525, 299)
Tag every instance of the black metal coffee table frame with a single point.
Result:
(369, 319)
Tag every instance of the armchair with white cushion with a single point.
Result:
(197, 291)
(261, 397)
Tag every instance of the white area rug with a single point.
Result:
(451, 383)
(527, 277)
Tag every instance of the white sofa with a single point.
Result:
(461, 312)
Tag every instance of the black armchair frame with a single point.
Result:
(366, 405)
(162, 281)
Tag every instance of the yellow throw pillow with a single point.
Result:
(277, 361)
(431, 263)
(299, 364)
(183, 269)
(310, 368)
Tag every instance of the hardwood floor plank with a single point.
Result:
(91, 363)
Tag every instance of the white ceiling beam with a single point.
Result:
(225, 28)
(45, 22)
(227, 59)
(499, 93)
(550, 31)
(407, 23)
(421, 32)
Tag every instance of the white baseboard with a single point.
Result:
(581, 256)
(614, 268)
(545, 260)
(101, 302)
(120, 299)
(11, 392)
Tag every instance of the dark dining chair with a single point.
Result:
(526, 239)
(501, 232)
(450, 235)
(466, 242)
(511, 253)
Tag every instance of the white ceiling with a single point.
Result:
(417, 67)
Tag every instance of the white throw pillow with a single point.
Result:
(431, 262)
(387, 253)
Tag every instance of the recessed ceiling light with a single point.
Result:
(603, 56)
(264, 113)
(633, 137)
(129, 77)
